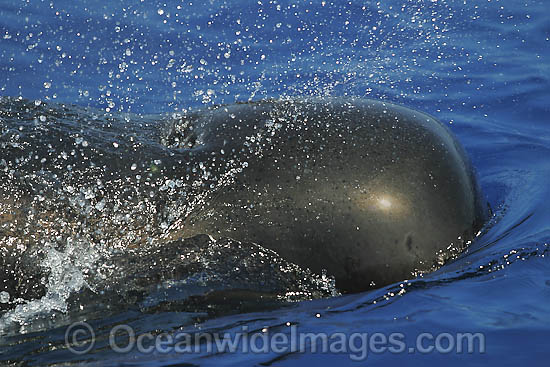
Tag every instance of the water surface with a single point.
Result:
(481, 67)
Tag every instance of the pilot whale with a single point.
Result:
(365, 191)
(368, 191)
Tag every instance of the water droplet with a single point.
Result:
(4, 297)
(99, 206)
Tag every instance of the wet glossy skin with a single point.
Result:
(367, 190)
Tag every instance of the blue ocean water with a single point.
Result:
(481, 67)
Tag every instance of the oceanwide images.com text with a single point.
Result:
(80, 338)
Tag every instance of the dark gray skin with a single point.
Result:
(369, 191)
